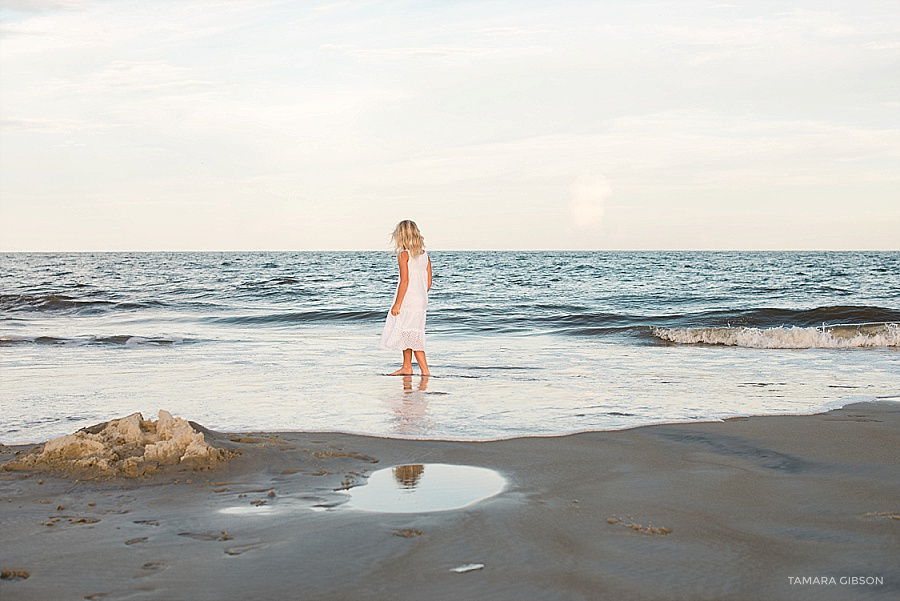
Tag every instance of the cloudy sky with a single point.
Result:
(237, 125)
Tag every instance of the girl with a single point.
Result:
(404, 329)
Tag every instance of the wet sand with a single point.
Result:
(724, 510)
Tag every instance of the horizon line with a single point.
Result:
(263, 250)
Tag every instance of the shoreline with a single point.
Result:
(825, 407)
(748, 503)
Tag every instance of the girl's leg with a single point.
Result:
(423, 365)
(406, 370)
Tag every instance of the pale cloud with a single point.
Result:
(144, 76)
(893, 45)
(341, 6)
(512, 31)
(450, 54)
(707, 149)
(44, 5)
(134, 26)
(51, 126)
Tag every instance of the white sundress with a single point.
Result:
(407, 329)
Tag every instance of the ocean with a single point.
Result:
(519, 343)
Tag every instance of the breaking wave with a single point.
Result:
(794, 337)
(60, 303)
(121, 340)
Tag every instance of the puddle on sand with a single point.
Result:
(425, 487)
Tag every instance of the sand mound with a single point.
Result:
(131, 446)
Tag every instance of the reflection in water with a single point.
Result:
(408, 475)
(407, 384)
(410, 410)
(415, 489)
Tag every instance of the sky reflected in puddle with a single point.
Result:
(249, 510)
(426, 487)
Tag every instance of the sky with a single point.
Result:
(303, 125)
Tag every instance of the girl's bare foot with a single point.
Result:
(423, 365)
(406, 369)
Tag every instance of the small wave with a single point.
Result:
(834, 315)
(132, 305)
(578, 322)
(46, 302)
(795, 337)
(769, 317)
(298, 317)
(120, 340)
(63, 303)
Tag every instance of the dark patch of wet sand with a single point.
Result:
(725, 510)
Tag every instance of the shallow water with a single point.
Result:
(519, 343)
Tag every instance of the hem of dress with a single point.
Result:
(397, 348)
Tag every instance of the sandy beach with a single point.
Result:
(722, 510)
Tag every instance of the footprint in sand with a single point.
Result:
(216, 536)
(134, 541)
(126, 594)
(883, 515)
(152, 568)
(407, 533)
(239, 549)
(83, 520)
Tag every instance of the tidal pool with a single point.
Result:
(422, 488)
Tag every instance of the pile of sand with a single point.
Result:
(131, 446)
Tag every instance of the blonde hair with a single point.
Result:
(407, 237)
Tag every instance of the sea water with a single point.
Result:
(519, 343)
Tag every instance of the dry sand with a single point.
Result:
(725, 510)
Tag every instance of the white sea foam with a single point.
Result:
(843, 336)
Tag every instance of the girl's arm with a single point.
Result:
(403, 262)
(429, 273)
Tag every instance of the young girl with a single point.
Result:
(404, 329)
